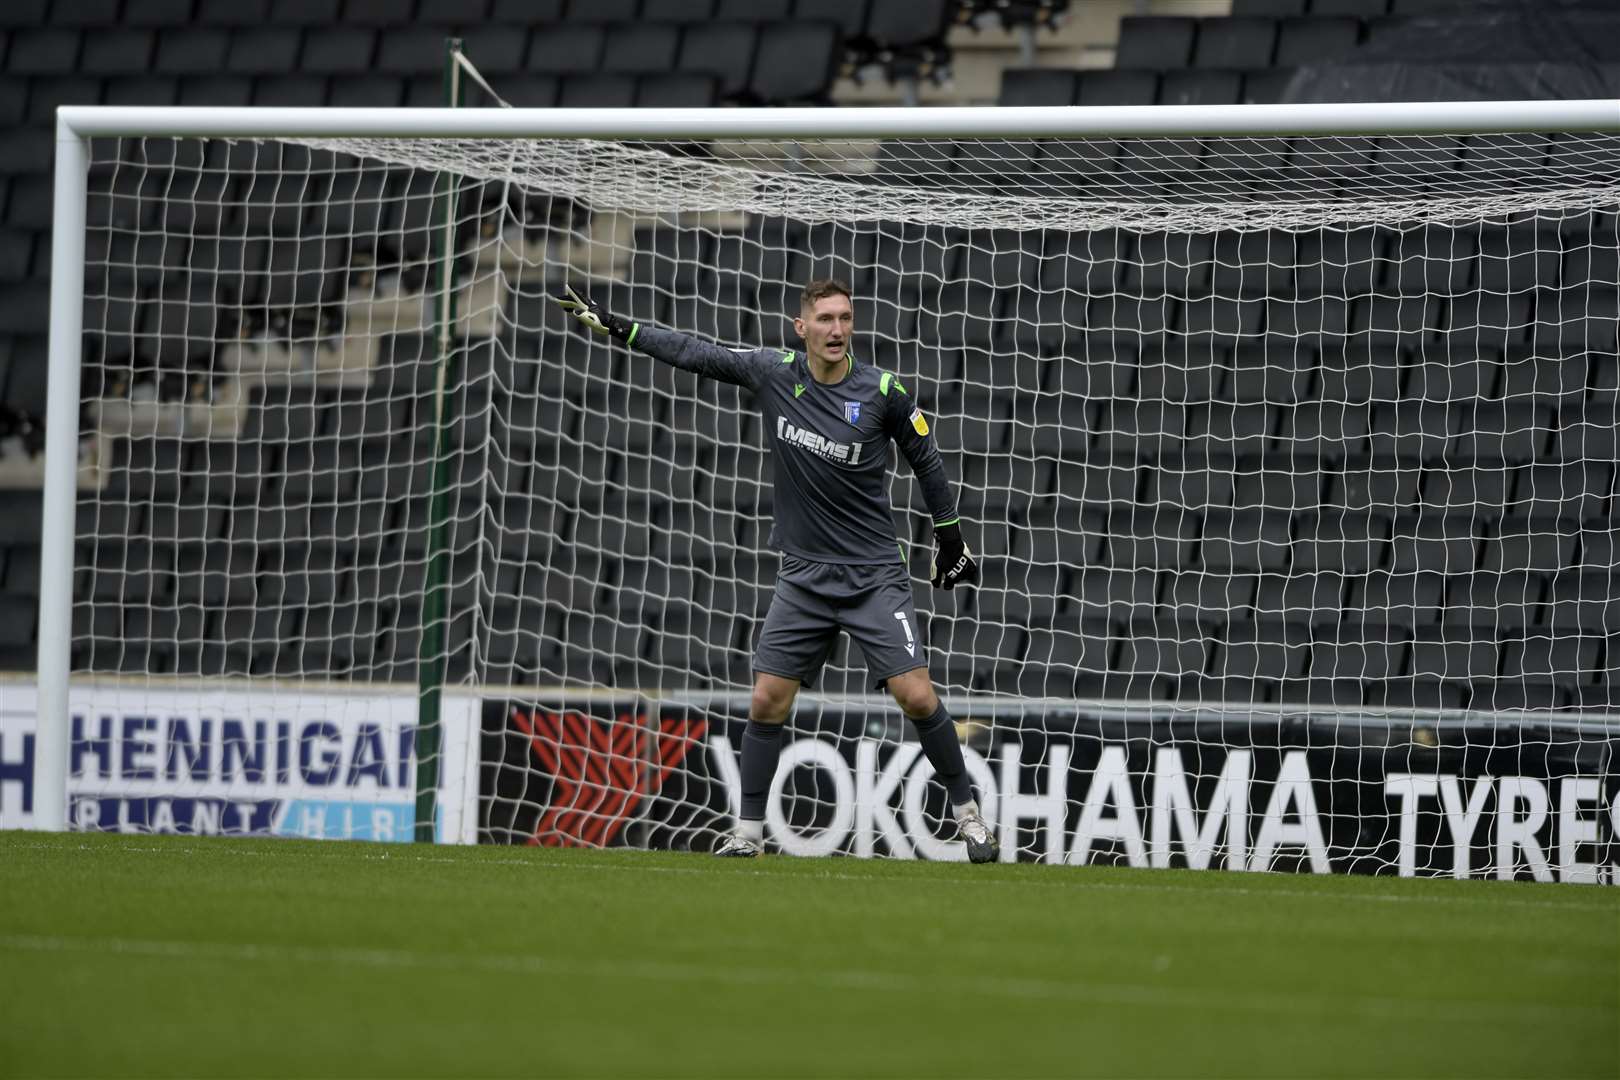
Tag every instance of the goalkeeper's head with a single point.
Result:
(826, 320)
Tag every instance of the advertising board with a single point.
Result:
(244, 761)
(1323, 793)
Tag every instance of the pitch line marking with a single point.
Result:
(1607, 907)
(1426, 1010)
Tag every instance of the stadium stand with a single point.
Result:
(1183, 574)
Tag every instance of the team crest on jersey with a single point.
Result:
(852, 411)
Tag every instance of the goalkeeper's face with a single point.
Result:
(827, 327)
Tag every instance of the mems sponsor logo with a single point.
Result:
(816, 443)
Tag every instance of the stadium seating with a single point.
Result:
(1218, 513)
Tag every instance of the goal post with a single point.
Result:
(1098, 488)
(61, 476)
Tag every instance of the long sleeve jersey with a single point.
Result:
(829, 444)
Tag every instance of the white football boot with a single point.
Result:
(982, 846)
(737, 846)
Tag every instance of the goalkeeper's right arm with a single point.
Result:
(676, 349)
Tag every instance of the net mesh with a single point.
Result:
(1249, 433)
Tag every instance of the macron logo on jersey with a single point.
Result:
(820, 445)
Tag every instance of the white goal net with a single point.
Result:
(1290, 462)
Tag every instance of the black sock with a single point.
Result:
(937, 734)
(761, 749)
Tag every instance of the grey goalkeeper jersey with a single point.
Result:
(829, 443)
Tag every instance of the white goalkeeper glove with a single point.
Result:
(596, 316)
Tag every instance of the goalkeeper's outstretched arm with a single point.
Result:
(953, 562)
(672, 347)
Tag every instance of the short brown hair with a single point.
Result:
(820, 289)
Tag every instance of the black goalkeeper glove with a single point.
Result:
(596, 317)
(953, 562)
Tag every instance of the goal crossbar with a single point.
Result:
(964, 122)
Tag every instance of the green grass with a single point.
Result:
(153, 956)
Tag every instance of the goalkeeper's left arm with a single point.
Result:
(953, 561)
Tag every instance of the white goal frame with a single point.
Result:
(76, 125)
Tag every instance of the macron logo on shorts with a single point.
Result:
(820, 445)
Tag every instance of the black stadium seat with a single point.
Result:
(1370, 651)
(722, 49)
(848, 15)
(13, 101)
(523, 91)
(1038, 86)
(1417, 430)
(214, 90)
(1512, 431)
(677, 11)
(567, 49)
(1145, 539)
(1194, 87)
(1155, 42)
(642, 48)
(1548, 379)
(231, 13)
(1246, 540)
(1165, 646)
(1519, 259)
(410, 51)
(16, 249)
(1316, 39)
(1119, 87)
(1268, 650)
(338, 50)
(1460, 653)
(1266, 87)
(1538, 545)
(192, 52)
(690, 91)
(900, 25)
(504, 12)
(497, 50)
(1509, 602)
(1269, 7)
(1363, 9)
(379, 13)
(117, 52)
(24, 13)
(600, 10)
(1223, 428)
(1464, 377)
(53, 51)
(1587, 433)
(304, 12)
(1235, 42)
(263, 51)
(597, 92)
(367, 92)
(795, 62)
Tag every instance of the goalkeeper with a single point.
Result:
(842, 567)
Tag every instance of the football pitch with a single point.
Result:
(161, 956)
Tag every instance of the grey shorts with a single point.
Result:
(815, 600)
